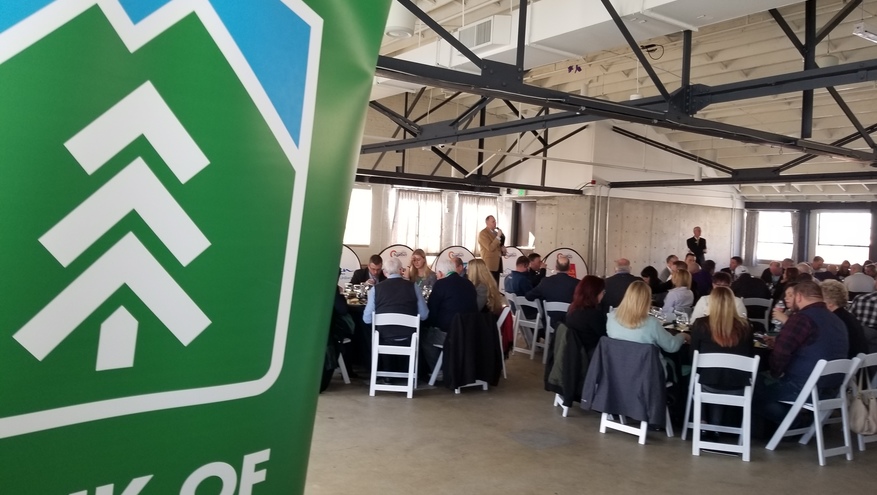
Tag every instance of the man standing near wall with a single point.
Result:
(697, 246)
(491, 242)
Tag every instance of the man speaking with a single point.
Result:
(491, 242)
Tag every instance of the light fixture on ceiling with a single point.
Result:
(400, 22)
(865, 32)
(637, 95)
(827, 60)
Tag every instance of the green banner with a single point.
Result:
(174, 184)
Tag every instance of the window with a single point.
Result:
(417, 219)
(471, 214)
(775, 237)
(843, 235)
(358, 230)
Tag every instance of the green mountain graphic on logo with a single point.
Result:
(170, 216)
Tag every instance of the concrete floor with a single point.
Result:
(510, 440)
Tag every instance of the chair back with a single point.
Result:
(506, 310)
(726, 361)
(825, 368)
(554, 307)
(758, 303)
(522, 302)
(398, 319)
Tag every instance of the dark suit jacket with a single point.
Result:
(749, 286)
(616, 286)
(697, 246)
(450, 296)
(361, 276)
(556, 288)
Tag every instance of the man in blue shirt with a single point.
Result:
(518, 282)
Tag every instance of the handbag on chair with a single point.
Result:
(863, 411)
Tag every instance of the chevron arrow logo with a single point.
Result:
(135, 189)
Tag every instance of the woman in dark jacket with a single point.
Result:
(584, 315)
(724, 331)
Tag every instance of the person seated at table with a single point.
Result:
(680, 296)
(844, 270)
(617, 284)
(536, 270)
(632, 322)
(722, 330)
(370, 275)
(649, 275)
(452, 294)
(394, 295)
(556, 288)
(487, 293)
(702, 308)
(781, 313)
(585, 315)
(835, 295)
(419, 272)
(703, 279)
(669, 269)
(518, 283)
(790, 275)
(810, 334)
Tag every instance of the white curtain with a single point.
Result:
(796, 217)
(471, 212)
(417, 220)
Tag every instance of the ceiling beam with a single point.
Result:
(753, 176)
(366, 175)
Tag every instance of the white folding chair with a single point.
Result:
(506, 311)
(608, 421)
(341, 366)
(697, 397)
(548, 307)
(821, 409)
(380, 319)
(761, 303)
(528, 328)
(870, 387)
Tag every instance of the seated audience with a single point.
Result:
(844, 270)
(649, 275)
(680, 296)
(394, 295)
(772, 274)
(536, 271)
(804, 268)
(702, 308)
(722, 330)
(828, 273)
(732, 266)
(632, 322)
(518, 283)
(419, 272)
(835, 296)
(818, 264)
(870, 269)
(746, 286)
(857, 282)
(452, 294)
(703, 279)
(790, 275)
(488, 296)
(669, 269)
(617, 284)
(864, 308)
(788, 263)
(585, 315)
(782, 314)
(558, 287)
(370, 275)
(810, 334)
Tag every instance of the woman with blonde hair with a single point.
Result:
(485, 286)
(419, 272)
(632, 322)
(680, 296)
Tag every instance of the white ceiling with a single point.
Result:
(749, 45)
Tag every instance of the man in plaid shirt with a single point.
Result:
(864, 308)
(810, 334)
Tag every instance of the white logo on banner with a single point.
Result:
(128, 262)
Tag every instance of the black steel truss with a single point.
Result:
(672, 110)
